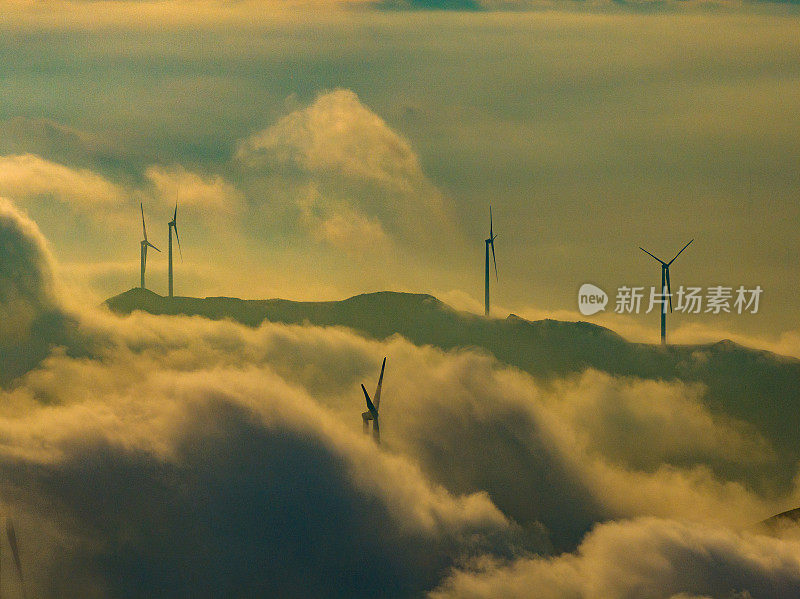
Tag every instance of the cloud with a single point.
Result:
(429, 5)
(646, 558)
(786, 343)
(195, 190)
(337, 133)
(565, 453)
(611, 415)
(570, 454)
(143, 14)
(180, 444)
(58, 142)
(363, 177)
(210, 14)
(342, 226)
(31, 319)
(26, 176)
(27, 279)
(218, 480)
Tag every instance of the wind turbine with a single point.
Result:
(490, 242)
(145, 245)
(665, 289)
(372, 408)
(173, 224)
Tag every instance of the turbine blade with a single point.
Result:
(12, 541)
(490, 221)
(669, 290)
(679, 253)
(495, 261)
(175, 214)
(154, 247)
(370, 405)
(144, 229)
(179, 241)
(648, 253)
(380, 384)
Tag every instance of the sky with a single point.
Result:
(320, 150)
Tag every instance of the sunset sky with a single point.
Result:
(321, 150)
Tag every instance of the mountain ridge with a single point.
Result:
(218, 307)
(756, 386)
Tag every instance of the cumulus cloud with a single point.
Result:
(333, 172)
(342, 226)
(364, 175)
(611, 415)
(575, 453)
(192, 189)
(169, 478)
(646, 558)
(26, 268)
(337, 133)
(139, 466)
(26, 176)
(565, 454)
(31, 319)
(256, 434)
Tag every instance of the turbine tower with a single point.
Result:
(372, 408)
(490, 242)
(145, 245)
(665, 289)
(173, 224)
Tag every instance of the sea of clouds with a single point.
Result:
(179, 457)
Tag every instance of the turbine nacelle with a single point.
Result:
(666, 287)
(665, 270)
